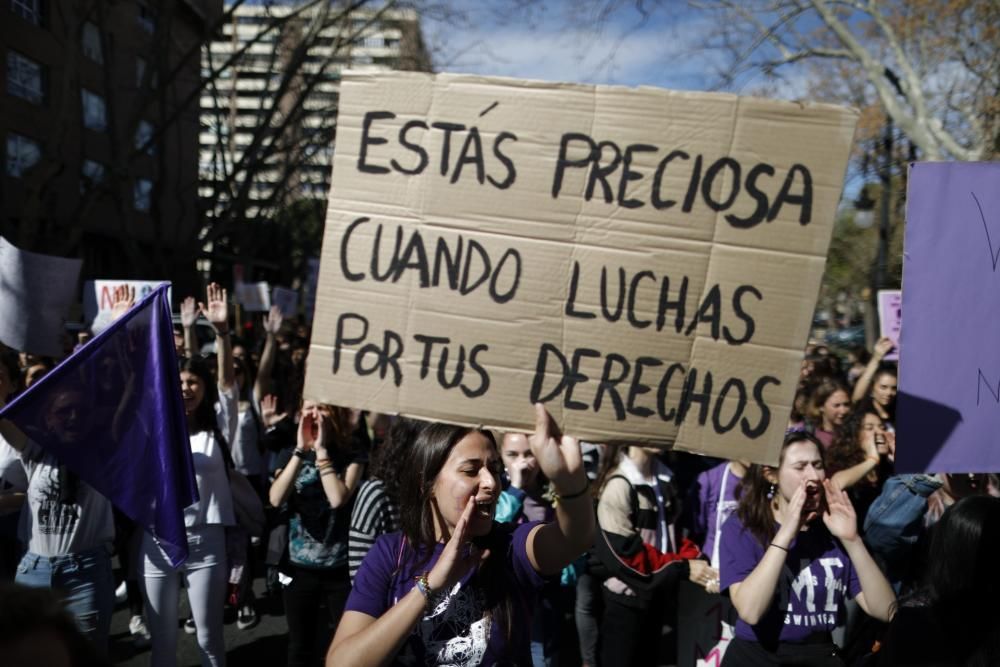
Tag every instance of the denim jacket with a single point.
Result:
(895, 521)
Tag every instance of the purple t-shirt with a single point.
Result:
(455, 629)
(815, 581)
(713, 483)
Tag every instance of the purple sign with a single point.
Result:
(890, 317)
(948, 409)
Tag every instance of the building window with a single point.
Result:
(91, 173)
(144, 137)
(94, 113)
(91, 40)
(22, 154)
(25, 78)
(142, 194)
(146, 18)
(29, 10)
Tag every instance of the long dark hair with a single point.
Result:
(885, 369)
(962, 580)
(845, 450)
(204, 414)
(386, 459)
(423, 463)
(755, 494)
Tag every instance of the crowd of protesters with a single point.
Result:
(393, 541)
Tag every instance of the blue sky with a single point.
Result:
(543, 44)
(556, 41)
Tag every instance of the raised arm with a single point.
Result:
(848, 477)
(338, 491)
(189, 315)
(864, 383)
(216, 310)
(284, 479)
(272, 325)
(553, 546)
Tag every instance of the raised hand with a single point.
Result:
(840, 518)
(216, 309)
(273, 320)
(122, 299)
(269, 411)
(558, 455)
(890, 445)
(883, 347)
(459, 556)
(189, 312)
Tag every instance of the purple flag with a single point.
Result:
(113, 414)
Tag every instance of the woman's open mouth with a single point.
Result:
(485, 507)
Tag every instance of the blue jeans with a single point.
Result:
(83, 580)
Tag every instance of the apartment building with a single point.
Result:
(268, 121)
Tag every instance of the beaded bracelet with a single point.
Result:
(423, 586)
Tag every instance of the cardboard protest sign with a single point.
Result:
(948, 409)
(98, 295)
(890, 318)
(645, 262)
(35, 294)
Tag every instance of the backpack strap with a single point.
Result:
(633, 497)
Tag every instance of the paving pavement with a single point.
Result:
(264, 644)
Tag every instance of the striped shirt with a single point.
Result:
(374, 514)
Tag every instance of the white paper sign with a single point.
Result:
(254, 297)
(35, 294)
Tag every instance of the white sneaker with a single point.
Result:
(247, 618)
(140, 633)
(189, 626)
(121, 593)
